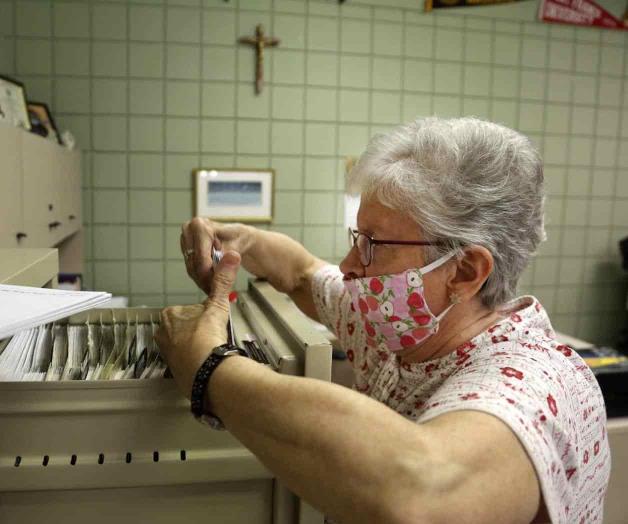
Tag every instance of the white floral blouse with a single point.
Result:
(516, 371)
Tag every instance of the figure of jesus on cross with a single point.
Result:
(260, 42)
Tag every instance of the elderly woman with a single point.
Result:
(465, 407)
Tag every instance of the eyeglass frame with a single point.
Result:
(354, 235)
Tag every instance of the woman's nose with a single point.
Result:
(351, 266)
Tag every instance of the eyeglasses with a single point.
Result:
(365, 244)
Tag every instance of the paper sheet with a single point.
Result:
(22, 307)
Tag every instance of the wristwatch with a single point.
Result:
(201, 380)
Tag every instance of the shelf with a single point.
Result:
(28, 267)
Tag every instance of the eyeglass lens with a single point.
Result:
(363, 244)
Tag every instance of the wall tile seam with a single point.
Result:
(92, 160)
(339, 191)
(309, 155)
(205, 116)
(592, 160)
(304, 100)
(205, 43)
(427, 61)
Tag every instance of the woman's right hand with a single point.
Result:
(198, 236)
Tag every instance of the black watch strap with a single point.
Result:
(204, 373)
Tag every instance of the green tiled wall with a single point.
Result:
(155, 88)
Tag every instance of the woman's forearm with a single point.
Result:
(337, 449)
(276, 257)
(285, 263)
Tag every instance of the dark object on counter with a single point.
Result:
(614, 386)
(623, 248)
(622, 337)
(610, 368)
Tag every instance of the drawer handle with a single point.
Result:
(20, 236)
(72, 217)
(54, 225)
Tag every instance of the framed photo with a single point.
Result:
(42, 122)
(13, 109)
(243, 195)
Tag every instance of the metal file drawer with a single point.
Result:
(115, 444)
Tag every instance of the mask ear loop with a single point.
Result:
(437, 263)
(454, 299)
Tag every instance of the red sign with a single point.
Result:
(578, 12)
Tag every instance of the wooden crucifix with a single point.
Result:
(260, 42)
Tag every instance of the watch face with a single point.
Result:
(227, 349)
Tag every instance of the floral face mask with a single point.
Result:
(393, 307)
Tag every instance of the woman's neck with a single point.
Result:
(456, 328)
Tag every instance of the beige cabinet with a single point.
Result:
(10, 187)
(40, 190)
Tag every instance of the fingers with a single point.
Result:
(224, 278)
(196, 240)
(161, 336)
(187, 242)
(203, 237)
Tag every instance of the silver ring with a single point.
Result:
(188, 253)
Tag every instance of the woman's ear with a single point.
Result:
(472, 270)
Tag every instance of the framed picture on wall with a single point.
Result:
(243, 195)
(42, 122)
(13, 109)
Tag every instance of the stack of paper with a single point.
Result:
(27, 307)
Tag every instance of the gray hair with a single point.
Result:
(464, 181)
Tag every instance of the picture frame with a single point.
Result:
(13, 109)
(40, 116)
(230, 194)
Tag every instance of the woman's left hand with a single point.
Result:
(188, 334)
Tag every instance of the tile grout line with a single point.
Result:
(592, 158)
(541, 149)
(371, 60)
(306, 62)
(432, 60)
(235, 83)
(128, 152)
(561, 228)
(271, 97)
(616, 168)
(164, 130)
(463, 69)
(151, 116)
(14, 34)
(199, 157)
(90, 50)
(338, 193)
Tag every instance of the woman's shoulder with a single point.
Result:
(524, 345)
(525, 336)
(524, 322)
